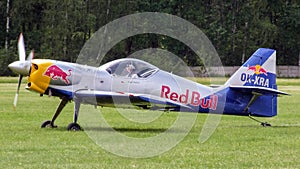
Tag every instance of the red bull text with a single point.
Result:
(193, 98)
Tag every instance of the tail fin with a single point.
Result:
(258, 70)
(257, 77)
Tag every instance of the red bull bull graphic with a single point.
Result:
(55, 73)
(258, 70)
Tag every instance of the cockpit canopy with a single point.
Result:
(129, 67)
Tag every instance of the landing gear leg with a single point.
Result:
(49, 123)
(75, 126)
(246, 110)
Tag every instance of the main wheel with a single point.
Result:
(48, 123)
(73, 127)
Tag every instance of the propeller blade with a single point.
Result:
(21, 48)
(29, 59)
(18, 89)
(30, 56)
(22, 66)
(16, 100)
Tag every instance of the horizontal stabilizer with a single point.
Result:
(261, 90)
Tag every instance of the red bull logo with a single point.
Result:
(55, 72)
(258, 70)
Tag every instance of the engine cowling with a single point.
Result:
(36, 80)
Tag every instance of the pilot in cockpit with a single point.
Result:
(131, 71)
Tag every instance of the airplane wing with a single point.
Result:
(120, 98)
(261, 90)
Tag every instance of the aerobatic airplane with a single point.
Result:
(250, 91)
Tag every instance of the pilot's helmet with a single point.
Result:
(130, 66)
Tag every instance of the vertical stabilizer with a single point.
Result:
(259, 70)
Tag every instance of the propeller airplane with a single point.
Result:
(250, 91)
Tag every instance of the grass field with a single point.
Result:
(238, 142)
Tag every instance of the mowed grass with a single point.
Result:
(238, 142)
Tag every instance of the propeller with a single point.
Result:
(22, 66)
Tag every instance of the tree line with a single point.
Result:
(59, 29)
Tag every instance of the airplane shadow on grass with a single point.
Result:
(137, 130)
